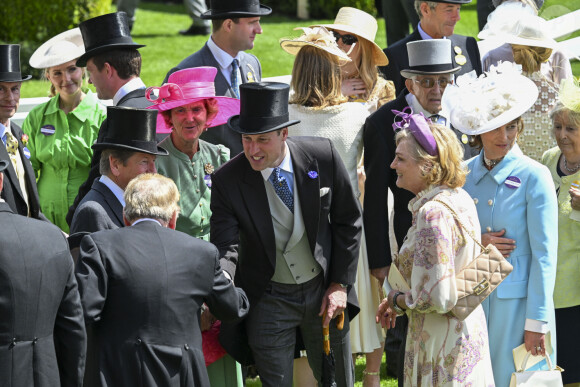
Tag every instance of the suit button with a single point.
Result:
(475, 200)
(490, 202)
(186, 347)
(297, 277)
(197, 190)
(195, 176)
(138, 342)
(488, 229)
(292, 265)
(313, 269)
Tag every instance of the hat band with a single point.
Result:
(432, 68)
(174, 92)
(250, 8)
(11, 75)
(247, 122)
(146, 146)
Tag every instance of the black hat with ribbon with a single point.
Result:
(10, 64)
(131, 129)
(263, 108)
(105, 33)
(228, 9)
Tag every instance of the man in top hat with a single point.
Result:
(437, 21)
(429, 72)
(42, 332)
(20, 185)
(287, 226)
(114, 64)
(235, 24)
(142, 288)
(128, 150)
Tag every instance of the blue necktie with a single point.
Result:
(437, 119)
(282, 190)
(234, 78)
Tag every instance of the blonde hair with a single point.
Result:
(367, 68)
(446, 168)
(151, 195)
(316, 79)
(530, 57)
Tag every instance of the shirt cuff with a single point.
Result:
(536, 326)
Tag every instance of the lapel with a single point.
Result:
(248, 71)
(9, 172)
(308, 190)
(4, 207)
(111, 200)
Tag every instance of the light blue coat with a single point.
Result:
(529, 214)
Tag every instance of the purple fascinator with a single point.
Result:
(418, 126)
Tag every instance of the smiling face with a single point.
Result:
(9, 100)
(266, 150)
(66, 78)
(188, 122)
(567, 134)
(409, 173)
(439, 22)
(243, 33)
(429, 98)
(498, 142)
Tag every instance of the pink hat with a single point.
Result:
(188, 86)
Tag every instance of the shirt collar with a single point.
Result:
(146, 220)
(223, 58)
(115, 189)
(4, 129)
(417, 108)
(133, 84)
(285, 165)
(424, 35)
(82, 112)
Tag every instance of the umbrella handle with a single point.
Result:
(326, 331)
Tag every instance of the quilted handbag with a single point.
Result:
(480, 277)
(538, 378)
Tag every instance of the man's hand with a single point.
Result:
(504, 245)
(334, 301)
(207, 319)
(381, 273)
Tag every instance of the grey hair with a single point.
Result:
(151, 195)
(431, 4)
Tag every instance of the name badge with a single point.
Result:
(26, 152)
(47, 130)
(207, 180)
(513, 182)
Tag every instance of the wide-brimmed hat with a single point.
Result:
(188, 86)
(515, 23)
(228, 9)
(131, 129)
(362, 25)
(10, 64)
(318, 37)
(481, 104)
(264, 108)
(429, 57)
(105, 33)
(62, 48)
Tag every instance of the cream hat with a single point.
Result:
(60, 49)
(362, 25)
(318, 37)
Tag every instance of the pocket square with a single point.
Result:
(324, 191)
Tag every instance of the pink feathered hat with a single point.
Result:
(188, 86)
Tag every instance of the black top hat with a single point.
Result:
(453, 1)
(228, 9)
(3, 165)
(131, 129)
(263, 108)
(431, 56)
(10, 64)
(104, 33)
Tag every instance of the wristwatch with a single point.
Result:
(400, 311)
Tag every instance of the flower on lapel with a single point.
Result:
(208, 168)
(312, 174)
(24, 139)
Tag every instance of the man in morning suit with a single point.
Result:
(114, 64)
(128, 150)
(19, 190)
(142, 290)
(42, 333)
(437, 21)
(287, 226)
(235, 24)
(429, 73)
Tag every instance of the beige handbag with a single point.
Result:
(480, 277)
(538, 378)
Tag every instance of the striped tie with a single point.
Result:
(234, 78)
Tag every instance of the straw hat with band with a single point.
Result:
(10, 64)
(62, 48)
(361, 24)
(429, 57)
(497, 97)
(318, 37)
(229, 9)
(188, 86)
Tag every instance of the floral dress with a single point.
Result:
(440, 349)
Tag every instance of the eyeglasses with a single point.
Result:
(428, 83)
(347, 39)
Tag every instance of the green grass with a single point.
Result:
(158, 24)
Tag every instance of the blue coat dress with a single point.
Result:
(518, 195)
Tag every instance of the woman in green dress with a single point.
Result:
(188, 106)
(61, 131)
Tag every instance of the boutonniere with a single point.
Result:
(312, 174)
(208, 168)
(24, 139)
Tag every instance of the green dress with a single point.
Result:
(193, 179)
(60, 151)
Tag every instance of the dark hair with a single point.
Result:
(127, 61)
(121, 154)
(216, 24)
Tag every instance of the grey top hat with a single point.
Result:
(432, 56)
(10, 64)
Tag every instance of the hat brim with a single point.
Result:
(3, 165)
(411, 73)
(234, 124)
(82, 61)
(110, 145)
(227, 107)
(209, 14)
(511, 39)
(21, 78)
(40, 60)
(292, 47)
(378, 54)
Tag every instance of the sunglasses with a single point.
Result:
(428, 83)
(347, 39)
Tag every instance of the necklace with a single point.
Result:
(571, 170)
(491, 163)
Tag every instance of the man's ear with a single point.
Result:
(114, 164)
(409, 83)
(173, 221)
(127, 223)
(110, 71)
(425, 9)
